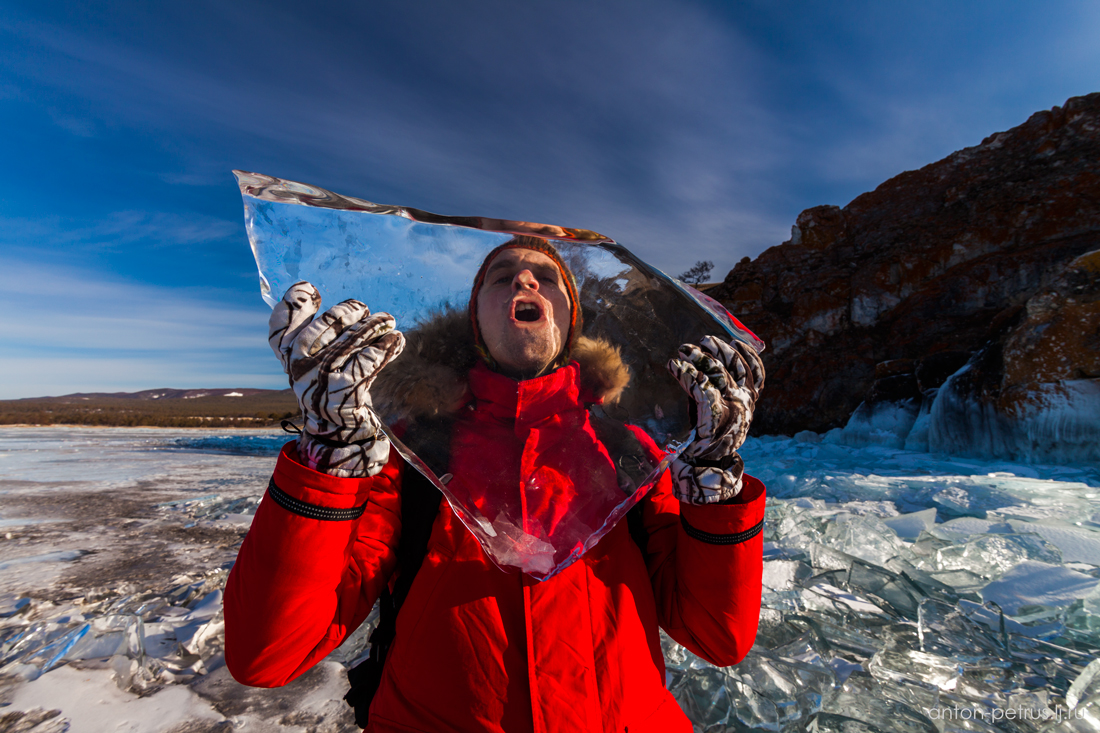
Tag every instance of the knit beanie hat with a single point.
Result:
(538, 245)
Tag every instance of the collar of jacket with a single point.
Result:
(530, 401)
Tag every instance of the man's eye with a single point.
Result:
(502, 279)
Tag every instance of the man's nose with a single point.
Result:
(525, 280)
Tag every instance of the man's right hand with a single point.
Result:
(332, 361)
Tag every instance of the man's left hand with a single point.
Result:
(724, 381)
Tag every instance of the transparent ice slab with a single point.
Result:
(413, 264)
(1083, 617)
(868, 538)
(992, 555)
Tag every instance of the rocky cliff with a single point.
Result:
(977, 255)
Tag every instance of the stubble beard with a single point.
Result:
(532, 354)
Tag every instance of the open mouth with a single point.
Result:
(527, 312)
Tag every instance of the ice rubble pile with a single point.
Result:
(148, 638)
(214, 507)
(903, 592)
(876, 617)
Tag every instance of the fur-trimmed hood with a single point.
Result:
(429, 379)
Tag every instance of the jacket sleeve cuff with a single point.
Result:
(315, 488)
(735, 519)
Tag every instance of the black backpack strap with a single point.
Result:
(635, 524)
(420, 503)
(366, 676)
(419, 507)
(632, 461)
(632, 464)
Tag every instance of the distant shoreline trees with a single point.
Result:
(262, 410)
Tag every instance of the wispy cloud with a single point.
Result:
(206, 177)
(81, 127)
(630, 120)
(117, 230)
(86, 331)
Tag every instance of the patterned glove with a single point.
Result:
(723, 381)
(332, 362)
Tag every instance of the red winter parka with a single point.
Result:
(477, 648)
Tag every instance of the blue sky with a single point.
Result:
(686, 130)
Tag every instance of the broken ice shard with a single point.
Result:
(414, 264)
(992, 555)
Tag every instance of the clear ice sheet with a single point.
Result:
(413, 264)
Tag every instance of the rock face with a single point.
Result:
(1033, 391)
(884, 299)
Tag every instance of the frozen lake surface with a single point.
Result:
(904, 591)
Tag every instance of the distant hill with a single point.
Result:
(167, 394)
(168, 407)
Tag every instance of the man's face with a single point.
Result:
(523, 312)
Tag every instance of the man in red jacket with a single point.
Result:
(478, 649)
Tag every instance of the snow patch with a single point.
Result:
(1038, 584)
(93, 703)
(1076, 544)
(57, 556)
(910, 526)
